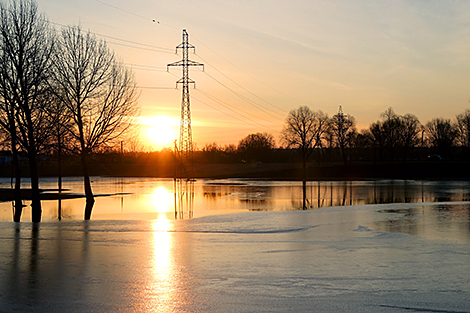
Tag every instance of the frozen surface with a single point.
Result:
(369, 258)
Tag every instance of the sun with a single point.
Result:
(161, 131)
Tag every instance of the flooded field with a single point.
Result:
(156, 246)
(146, 198)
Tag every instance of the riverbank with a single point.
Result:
(274, 171)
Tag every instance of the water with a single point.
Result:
(396, 249)
(146, 198)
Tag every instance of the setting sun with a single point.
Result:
(161, 131)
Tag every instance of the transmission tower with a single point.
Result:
(185, 144)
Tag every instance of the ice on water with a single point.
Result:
(367, 258)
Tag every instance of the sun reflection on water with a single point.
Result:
(163, 284)
(162, 200)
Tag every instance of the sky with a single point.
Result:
(263, 58)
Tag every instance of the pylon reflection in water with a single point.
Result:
(184, 198)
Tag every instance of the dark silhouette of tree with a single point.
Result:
(97, 90)
(394, 131)
(378, 137)
(441, 134)
(303, 130)
(26, 49)
(8, 124)
(212, 152)
(409, 129)
(342, 126)
(391, 129)
(256, 147)
(361, 142)
(463, 125)
(60, 140)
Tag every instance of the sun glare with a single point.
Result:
(162, 200)
(162, 131)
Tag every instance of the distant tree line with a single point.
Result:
(309, 135)
(59, 91)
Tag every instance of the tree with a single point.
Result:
(256, 147)
(60, 122)
(441, 134)
(342, 126)
(97, 90)
(391, 129)
(463, 125)
(409, 130)
(378, 137)
(395, 131)
(26, 51)
(211, 152)
(303, 130)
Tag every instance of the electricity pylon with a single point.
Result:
(185, 144)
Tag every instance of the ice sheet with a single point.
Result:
(353, 259)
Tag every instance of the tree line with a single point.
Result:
(59, 91)
(316, 136)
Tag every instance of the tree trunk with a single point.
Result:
(36, 210)
(343, 152)
(59, 174)
(16, 164)
(90, 199)
(304, 195)
(304, 180)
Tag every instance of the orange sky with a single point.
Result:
(264, 58)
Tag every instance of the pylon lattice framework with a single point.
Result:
(185, 144)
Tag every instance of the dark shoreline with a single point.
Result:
(432, 170)
(7, 194)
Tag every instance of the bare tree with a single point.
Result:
(26, 48)
(342, 126)
(303, 130)
(60, 139)
(391, 128)
(211, 152)
(256, 147)
(97, 90)
(378, 137)
(409, 130)
(463, 124)
(441, 134)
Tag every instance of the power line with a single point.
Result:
(242, 97)
(150, 67)
(283, 111)
(129, 12)
(156, 88)
(137, 15)
(231, 116)
(230, 107)
(227, 106)
(246, 73)
(136, 47)
(167, 50)
(144, 46)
